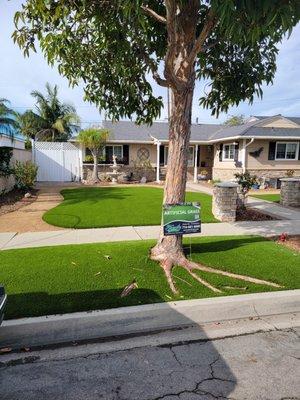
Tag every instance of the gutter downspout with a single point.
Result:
(245, 145)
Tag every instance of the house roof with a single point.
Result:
(296, 120)
(129, 132)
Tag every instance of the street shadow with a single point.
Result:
(192, 367)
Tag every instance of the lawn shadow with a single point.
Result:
(93, 195)
(189, 366)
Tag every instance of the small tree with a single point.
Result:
(234, 120)
(94, 139)
(246, 181)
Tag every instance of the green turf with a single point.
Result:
(64, 279)
(269, 197)
(119, 206)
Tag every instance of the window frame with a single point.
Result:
(285, 158)
(113, 146)
(223, 152)
(166, 153)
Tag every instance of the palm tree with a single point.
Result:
(53, 119)
(8, 123)
(94, 139)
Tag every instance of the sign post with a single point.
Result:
(181, 218)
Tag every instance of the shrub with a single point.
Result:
(25, 174)
(246, 181)
(5, 157)
(89, 159)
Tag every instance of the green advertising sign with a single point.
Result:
(181, 218)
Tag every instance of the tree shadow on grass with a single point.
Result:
(221, 245)
(193, 369)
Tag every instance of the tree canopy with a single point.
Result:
(116, 47)
(234, 120)
(8, 122)
(94, 139)
(52, 120)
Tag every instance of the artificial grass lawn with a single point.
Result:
(73, 278)
(270, 197)
(118, 206)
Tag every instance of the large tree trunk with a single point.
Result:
(174, 191)
(180, 73)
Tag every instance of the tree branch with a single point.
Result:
(207, 28)
(160, 81)
(154, 15)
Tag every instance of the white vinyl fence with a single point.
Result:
(57, 161)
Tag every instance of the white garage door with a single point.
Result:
(57, 162)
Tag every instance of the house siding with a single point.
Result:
(262, 163)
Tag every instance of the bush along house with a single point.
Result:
(268, 147)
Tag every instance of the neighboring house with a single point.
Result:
(16, 142)
(265, 146)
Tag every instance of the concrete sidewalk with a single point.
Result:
(12, 240)
(113, 324)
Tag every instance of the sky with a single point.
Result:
(19, 76)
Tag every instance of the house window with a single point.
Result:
(228, 152)
(116, 150)
(286, 150)
(190, 156)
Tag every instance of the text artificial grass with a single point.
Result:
(269, 197)
(119, 206)
(72, 278)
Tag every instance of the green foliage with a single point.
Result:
(246, 180)
(114, 47)
(89, 159)
(94, 139)
(8, 122)
(25, 174)
(30, 124)
(53, 119)
(5, 157)
(235, 120)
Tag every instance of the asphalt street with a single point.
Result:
(260, 366)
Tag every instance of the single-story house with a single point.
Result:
(267, 147)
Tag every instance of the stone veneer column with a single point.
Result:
(290, 192)
(225, 201)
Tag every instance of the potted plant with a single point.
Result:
(203, 175)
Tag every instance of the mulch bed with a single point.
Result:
(253, 215)
(15, 199)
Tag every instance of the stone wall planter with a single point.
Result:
(290, 192)
(225, 201)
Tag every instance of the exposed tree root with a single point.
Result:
(167, 262)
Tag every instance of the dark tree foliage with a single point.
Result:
(114, 46)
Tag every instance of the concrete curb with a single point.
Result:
(142, 320)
